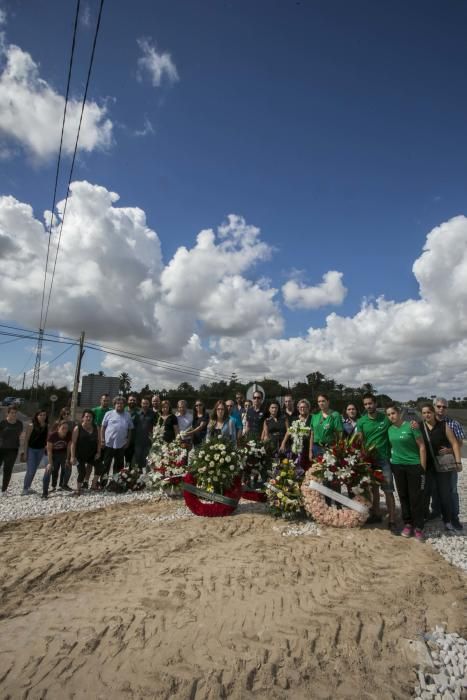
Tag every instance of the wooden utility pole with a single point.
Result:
(24, 380)
(74, 397)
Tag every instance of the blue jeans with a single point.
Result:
(34, 458)
(59, 466)
(435, 498)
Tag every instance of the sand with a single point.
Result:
(123, 603)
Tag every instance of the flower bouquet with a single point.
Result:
(299, 433)
(127, 479)
(167, 463)
(257, 466)
(283, 490)
(212, 486)
(343, 467)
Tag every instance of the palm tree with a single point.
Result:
(125, 382)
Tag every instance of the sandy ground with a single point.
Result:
(122, 603)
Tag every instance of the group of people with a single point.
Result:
(421, 459)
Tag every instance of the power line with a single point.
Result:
(99, 347)
(67, 93)
(74, 156)
(133, 357)
(5, 342)
(57, 171)
(164, 363)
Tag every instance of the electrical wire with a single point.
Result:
(99, 347)
(74, 158)
(133, 357)
(70, 66)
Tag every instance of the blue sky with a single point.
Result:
(336, 128)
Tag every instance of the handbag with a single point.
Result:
(443, 463)
(447, 463)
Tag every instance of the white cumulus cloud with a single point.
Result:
(112, 282)
(31, 110)
(329, 292)
(205, 308)
(155, 65)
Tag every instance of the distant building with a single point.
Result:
(94, 385)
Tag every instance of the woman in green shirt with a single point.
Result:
(326, 427)
(408, 462)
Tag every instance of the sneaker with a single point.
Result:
(407, 531)
(374, 518)
(66, 488)
(28, 492)
(449, 527)
(457, 525)
(53, 489)
(392, 527)
(419, 536)
(4, 494)
(45, 495)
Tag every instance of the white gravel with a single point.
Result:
(447, 677)
(452, 547)
(17, 507)
(298, 529)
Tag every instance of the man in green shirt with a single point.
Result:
(101, 410)
(373, 427)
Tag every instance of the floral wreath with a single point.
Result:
(202, 503)
(257, 465)
(283, 490)
(168, 466)
(345, 465)
(127, 479)
(212, 486)
(299, 432)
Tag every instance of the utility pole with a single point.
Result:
(24, 379)
(37, 366)
(74, 397)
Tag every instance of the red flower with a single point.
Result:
(211, 510)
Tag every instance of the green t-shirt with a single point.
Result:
(404, 449)
(326, 430)
(99, 414)
(375, 433)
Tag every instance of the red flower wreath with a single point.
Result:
(211, 510)
(251, 495)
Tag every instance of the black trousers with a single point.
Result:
(7, 459)
(129, 454)
(442, 483)
(117, 454)
(82, 465)
(410, 484)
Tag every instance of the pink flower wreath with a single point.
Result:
(315, 504)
